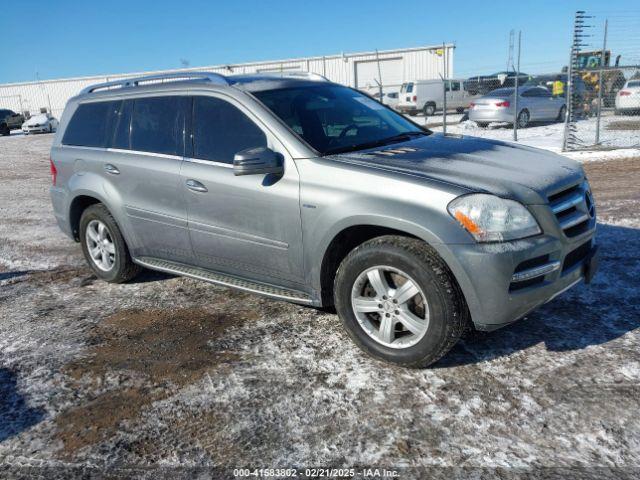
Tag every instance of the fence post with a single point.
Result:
(515, 92)
(569, 137)
(444, 89)
(600, 75)
(379, 77)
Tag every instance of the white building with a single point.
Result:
(359, 70)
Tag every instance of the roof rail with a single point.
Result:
(307, 75)
(214, 78)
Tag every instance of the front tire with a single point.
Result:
(104, 247)
(399, 301)
(562, 113)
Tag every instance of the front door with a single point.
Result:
(244, 225)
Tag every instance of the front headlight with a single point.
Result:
(493, 219)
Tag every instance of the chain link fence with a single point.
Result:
(604, 86)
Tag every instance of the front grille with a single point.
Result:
(576, 256)
(573, 208)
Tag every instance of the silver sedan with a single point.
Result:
(535, 103)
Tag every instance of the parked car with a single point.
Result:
(483, 84)
(426, 96)
(10, 120)
(628, 99)
(392, 99)
(579, 87)
(584, 94)
(43, 123)
(312, 192)
(388, 98)
(534, 104)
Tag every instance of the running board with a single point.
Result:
(224, 280)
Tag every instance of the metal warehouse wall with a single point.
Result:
(360, 70)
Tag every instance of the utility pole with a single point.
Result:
(510, 65)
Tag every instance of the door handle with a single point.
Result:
(112, 169)
(196, 186)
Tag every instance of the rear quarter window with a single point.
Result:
(89, 125)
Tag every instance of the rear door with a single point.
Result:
(244, 225)
(547, 107)
(143, 166)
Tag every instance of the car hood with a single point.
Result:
(37, 120)
(525, 174)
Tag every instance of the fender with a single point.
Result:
(93, 185)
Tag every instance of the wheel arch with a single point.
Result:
(354, 231)
(77, 206)
(339, 247)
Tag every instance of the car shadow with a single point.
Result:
(147, 276)
(15, 414)
(586, 315)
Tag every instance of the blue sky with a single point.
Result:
(65, 38)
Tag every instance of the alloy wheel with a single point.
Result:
(390, 306)
(100, 245)
(523, 119)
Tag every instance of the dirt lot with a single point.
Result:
(175, 373)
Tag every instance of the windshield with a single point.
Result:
(334, 119)
(634, 83)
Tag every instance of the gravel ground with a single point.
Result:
(170, 373)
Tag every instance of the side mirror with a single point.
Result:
(255, 161)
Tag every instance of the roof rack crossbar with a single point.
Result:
(214, 78)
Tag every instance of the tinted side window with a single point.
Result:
(88, 126)
(220, 130)
(122, 124)
(156, 125)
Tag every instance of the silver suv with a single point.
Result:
(300, 189)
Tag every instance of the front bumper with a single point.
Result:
(28, 130)
(407, 109)
(502, 282)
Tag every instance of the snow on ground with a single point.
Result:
(175, 373)
(615, 131)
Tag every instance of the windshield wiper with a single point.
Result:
(401, 137)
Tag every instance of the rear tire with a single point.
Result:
(104, 247)
(380, 325)
(429, 109)
(523, 119)
(4, 130)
